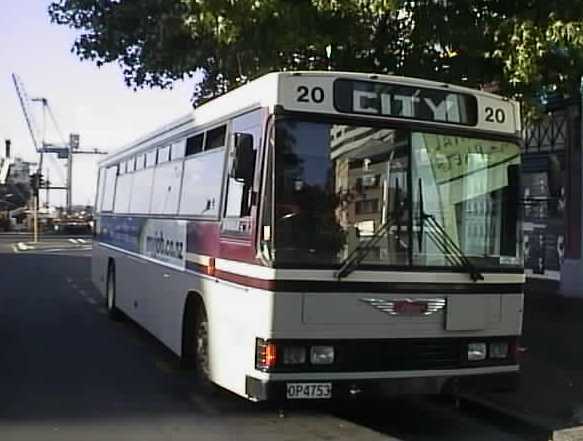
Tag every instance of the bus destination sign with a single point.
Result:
(407, 102)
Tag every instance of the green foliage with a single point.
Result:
(521, 47)
(543, 58)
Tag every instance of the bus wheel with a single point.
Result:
(202, 345)
(112, 311)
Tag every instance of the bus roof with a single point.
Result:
(314, 92)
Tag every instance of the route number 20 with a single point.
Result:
(307, 95)
(495, 115)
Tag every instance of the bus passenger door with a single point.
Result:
(241, 187)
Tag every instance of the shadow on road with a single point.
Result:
(64, 363)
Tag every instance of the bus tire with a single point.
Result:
(201, 346)
(112, 311)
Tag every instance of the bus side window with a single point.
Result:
(194, 144)
(109, 188)
(100, 189)
(215, 138)
(242, 157)
(178, 149)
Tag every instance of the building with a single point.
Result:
(552, 185)
(15, 188)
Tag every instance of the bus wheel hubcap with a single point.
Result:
(202, 347)
(109, 295)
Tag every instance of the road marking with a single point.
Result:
(73, 240)
(83, 292)
(81, 241)
(90, 300)
(15, 249)
(23, 247)
(69, 280)
(60, 250)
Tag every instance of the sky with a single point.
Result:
(93, 102)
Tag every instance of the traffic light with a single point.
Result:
(74, 141)
(36, 182)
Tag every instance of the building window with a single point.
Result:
(367, 206)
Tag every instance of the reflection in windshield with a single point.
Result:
(336, 185)
(466, 188)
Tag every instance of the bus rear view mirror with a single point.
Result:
(243, 163)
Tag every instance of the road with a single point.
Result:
(68, 373)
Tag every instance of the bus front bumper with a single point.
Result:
(261, 390)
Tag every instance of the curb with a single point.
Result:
(548, 426)
(572, 434)
(538, 423)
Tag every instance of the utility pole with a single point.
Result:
(35, 218)
(69, 201)
(73, 145)
(36, 182)
(47, 188)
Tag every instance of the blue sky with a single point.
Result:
(91, 101)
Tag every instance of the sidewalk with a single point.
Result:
(550, 393)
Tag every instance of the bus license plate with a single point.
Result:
(299, 391)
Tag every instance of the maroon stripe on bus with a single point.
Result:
(370, 287)
(201, 238)
(205, 238)
(250, 282)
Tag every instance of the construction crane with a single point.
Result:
(65, 149)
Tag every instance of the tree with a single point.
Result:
(520, 47)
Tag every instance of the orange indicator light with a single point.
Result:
(211, 266)
(266, 355)
(270, 355)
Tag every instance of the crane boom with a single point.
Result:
(25, 104)
(64, 150)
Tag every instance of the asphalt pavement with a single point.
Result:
(69, 373)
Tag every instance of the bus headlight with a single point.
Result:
(476, 351)
(322, 354)
(294, 355)
(499, 350)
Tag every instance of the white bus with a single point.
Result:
(321, 234)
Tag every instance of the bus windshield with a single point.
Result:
(336, 185)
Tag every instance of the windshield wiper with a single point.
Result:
(446, 245)
(357, 255)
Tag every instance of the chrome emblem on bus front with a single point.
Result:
(408, 307)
